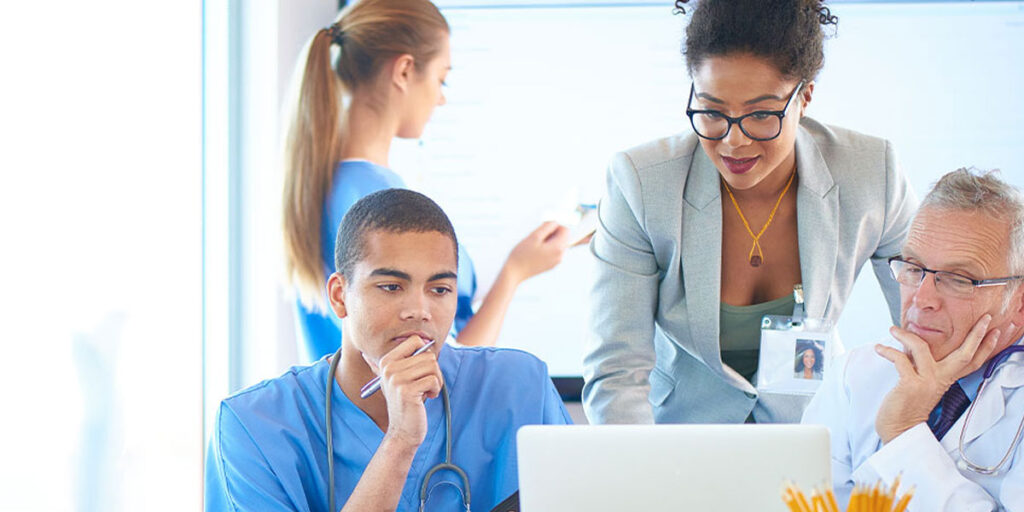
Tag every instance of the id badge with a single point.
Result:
(796, 353)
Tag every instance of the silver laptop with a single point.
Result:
(720, 468)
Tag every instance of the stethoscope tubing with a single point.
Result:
(990, 369)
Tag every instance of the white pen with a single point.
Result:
(371, 387)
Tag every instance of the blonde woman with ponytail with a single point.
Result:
(375, 74)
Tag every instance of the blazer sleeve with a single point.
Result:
(619, 352)
(900, 206)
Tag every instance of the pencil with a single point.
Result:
(855, 500)
(875, 493)
(806, 507)
(789, 500)
(833, 506)
(902, 505)
(817, 502)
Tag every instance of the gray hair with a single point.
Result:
(983, 191)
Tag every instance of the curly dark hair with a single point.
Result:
(798, 359)
(789, 33)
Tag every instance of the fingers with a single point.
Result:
(404, 350)
(966, 352)
(918, 349)
(985, 350)
(414, 375)
(900, 360)
(585, 240)
(545, 230)
(559, 237)
(551, 232)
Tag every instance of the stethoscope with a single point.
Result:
(990, 369)
(447, 464)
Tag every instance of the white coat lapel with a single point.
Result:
(702, 257)
(990, 406)
(817, 224)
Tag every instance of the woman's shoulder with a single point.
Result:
(362, 174)
(355, 179)
(659, 152)
(838, 142)
(854, 161)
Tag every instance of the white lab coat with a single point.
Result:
(848, 402)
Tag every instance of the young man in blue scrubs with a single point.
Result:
(397, 261)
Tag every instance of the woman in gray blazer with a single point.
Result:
(701, 234)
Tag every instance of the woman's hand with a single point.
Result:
(539, 252)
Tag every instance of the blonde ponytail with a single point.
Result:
(311, 151)
(368, 33)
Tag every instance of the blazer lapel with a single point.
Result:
(817, 224)
(702, 257)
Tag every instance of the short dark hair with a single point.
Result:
(789, 33)
(393, 210)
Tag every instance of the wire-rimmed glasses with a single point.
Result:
(948, 283)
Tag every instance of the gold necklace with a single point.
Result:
(757, 259)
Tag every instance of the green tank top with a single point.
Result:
(740, 332)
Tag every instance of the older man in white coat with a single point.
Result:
(903, 412)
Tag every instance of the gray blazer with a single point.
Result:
(653, 350)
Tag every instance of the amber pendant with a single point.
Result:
(755, 260)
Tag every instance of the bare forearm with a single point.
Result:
(380, 487)
(483, 328)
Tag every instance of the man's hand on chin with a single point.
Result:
(923, 380)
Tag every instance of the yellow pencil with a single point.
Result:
(832, 505)
(895, 487)
(817, 502)
(875, 493)
(902, 505)
(852, 506)
(789, 501)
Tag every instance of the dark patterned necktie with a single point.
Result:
(952, 405)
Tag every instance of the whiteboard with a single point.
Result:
(541, 95)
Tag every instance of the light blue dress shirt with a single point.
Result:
(320, 332)
(268, 448)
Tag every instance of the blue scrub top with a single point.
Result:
(268, 448)
(320, 332)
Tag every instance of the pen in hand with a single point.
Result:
(371, 387)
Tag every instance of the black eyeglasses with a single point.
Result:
(947, 283)
(761, 125)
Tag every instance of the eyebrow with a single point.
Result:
(442, 275)
(762, 98)
(390, 272)
(758, 99)
(958, 267)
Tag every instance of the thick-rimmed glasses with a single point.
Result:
(947, 283)
(760, 125)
